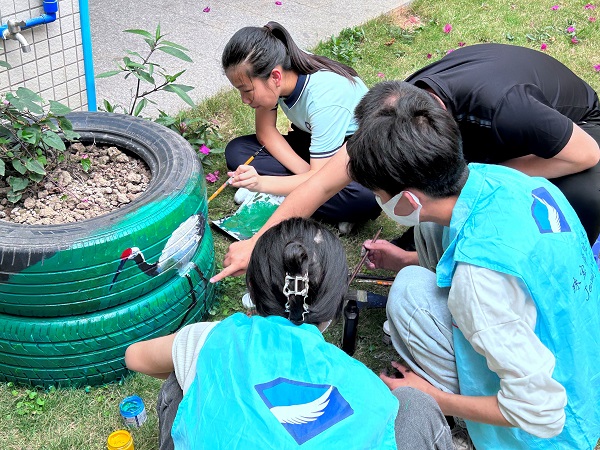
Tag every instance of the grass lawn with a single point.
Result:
(390, 47)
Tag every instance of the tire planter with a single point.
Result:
(65, 317)
(62, 270)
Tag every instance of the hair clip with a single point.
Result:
(297, 290)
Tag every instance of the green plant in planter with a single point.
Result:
(31, 139)
(151, 76)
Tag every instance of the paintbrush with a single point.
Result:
(364, 258)
(218, 191)
(379, 282)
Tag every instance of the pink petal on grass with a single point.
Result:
(597, 67)
(212, 177)
(555, 7)
(278, 3)
(461, 44)
(204, 149)
(571, 29)
(207, 9)
(381, 75)
(574, 40)
(428, 55)
(544, 46)
(590, 6)
(449, 51)
(447, 28)
(592, 19)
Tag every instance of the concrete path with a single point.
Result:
(206, 33)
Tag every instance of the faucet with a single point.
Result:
(13, 31)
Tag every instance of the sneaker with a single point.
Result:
(241, 195)
(345, 227)
(247, 301)
(460, 436)
(387, 338)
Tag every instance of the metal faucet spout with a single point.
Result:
(12, 31)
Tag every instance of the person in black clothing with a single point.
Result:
(515, 106)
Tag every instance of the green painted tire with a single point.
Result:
(90, 349)
(66, 270)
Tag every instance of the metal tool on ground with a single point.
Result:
(364, 258)
(248, 161)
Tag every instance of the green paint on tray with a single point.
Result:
(250, 216)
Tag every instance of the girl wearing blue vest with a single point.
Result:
(317, 95)
(271, 380)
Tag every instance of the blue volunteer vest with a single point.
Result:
(524, 227)
(266, 383)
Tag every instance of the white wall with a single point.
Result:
(54, 67)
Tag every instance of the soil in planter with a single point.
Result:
(69, 194)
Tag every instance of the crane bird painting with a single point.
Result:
(177, 253)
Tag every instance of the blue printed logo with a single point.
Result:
(546, 213)
(304, 409)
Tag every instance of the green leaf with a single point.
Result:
(71, 135)
(132, 64)
(29, 135)
(181, 93)
(53, 140)
(58, 108)
(174, 45)
(2, 168)
(5, 64)
(17, 184)
(40, 401)
(183, 87)
(27, 94)
(158, 36)
(139, 107)
(140, 32)
(64, 123)
(86, 164)
(110, 73)
(176, 53)
(129, 52)
(35, 177)
(34, 166)
(19, 166)
(144, 76)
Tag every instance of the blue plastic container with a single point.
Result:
(133, 411)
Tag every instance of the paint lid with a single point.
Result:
(120, 440)
(131, 406)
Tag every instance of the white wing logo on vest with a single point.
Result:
(305, 410)
(546, 213)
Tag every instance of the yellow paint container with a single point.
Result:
(120, 440)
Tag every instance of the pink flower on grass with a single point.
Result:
(204, 149)
(461, 44)
(449, 51)
(597, 67)
(428, 55)
(571, 29)
(381, 75)
(207, 9)
(592, 19)
(555, 7)
(447, 28)
(544, 46)
(278, 3)
(212, 177)
(590, 6)
(574, 40)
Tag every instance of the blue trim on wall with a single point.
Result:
(88, 61)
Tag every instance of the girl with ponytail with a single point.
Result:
(317, 94)
(271, 380)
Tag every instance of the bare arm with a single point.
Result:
(247, 177)
(269, 136)
(580, 153)
(152, 357)
(302, 202)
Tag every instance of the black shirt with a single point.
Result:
(509, 101)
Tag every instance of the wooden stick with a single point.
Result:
(379, 282)
(364, 258)
(218, 191)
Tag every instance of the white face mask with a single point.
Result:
(388, 207)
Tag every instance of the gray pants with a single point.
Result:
(420, 424)
(419, 319)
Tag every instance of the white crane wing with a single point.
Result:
(553, 216)
(302, 413)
